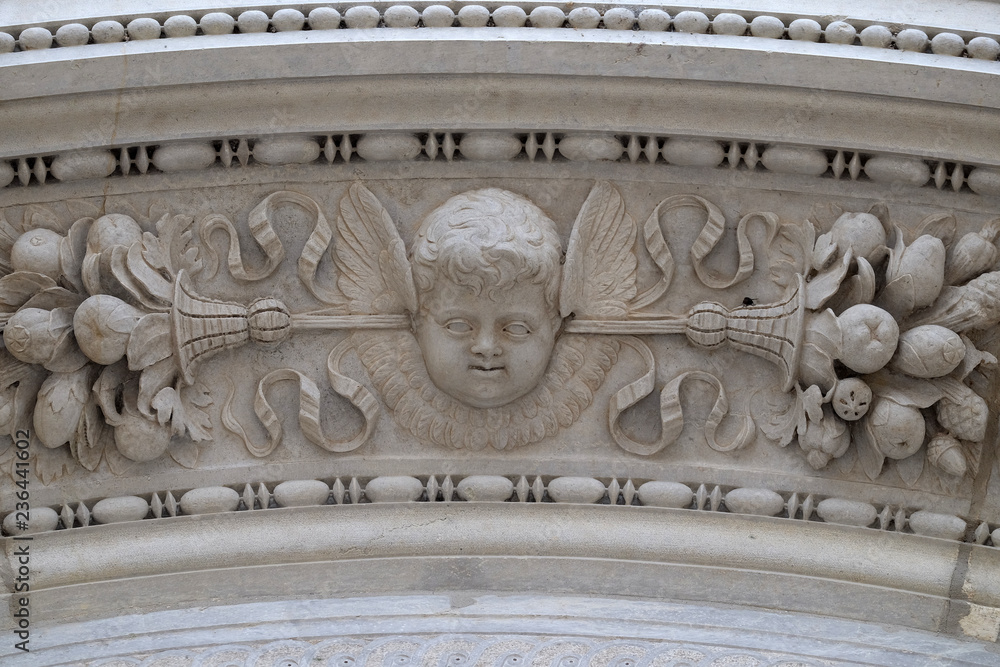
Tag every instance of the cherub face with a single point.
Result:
(486, 352)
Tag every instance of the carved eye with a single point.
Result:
(517, 329)
(458, 326)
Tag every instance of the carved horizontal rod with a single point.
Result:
(331, 322)
(674, 325)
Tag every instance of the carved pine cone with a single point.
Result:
(269, 320)
(965, 420)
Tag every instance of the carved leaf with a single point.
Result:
(371, 258)
(859, 288)
(825, 285)
(905, 390)
(911, 467)
(38, 216)
(51, 464)
(600, 270)
(791, 253)
(16, 288)
(154, 378)
(72, 250)
(941, 225)
(118, 258)
(781, 417)
(118, 464)
(149, 342)
(92, 438)
(12, 370)
(140, 263)
(54, 297)
(871, 458)
(185, 453)
(8, 235)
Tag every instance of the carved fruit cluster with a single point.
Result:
(885, 364)
(91, 307)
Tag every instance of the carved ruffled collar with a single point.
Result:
(578, 367)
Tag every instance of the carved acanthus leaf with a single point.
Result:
(374, 272)
(600, 271)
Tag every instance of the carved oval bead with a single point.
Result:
(576, 490)
(846, 512)
(928, 351)
(301, 493)
(932, 524)
(324, 18)
(485, 488)
(285, 150)
(362, 17)
(40, 520)
(591, 147)
(79, 165)
(795, 160)
(707, 324)
(983, 181)
(269, 321)
(394, 490)
(547, 17)
(389, 146)
(489, 146)
(210, 500)
(184, 156)
(117, 510)
(438, 16)
(761, 502)
(665, 494)
(892, 169)
(509, 16)
(693, 152)
(729, 24)
(6, 173)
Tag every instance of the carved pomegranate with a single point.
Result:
(851, 399)
(870, 335)
(898, 429)
(141, 439)
(102, 325)
(38, 251)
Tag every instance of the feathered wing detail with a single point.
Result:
(600, 271)
(374, 273)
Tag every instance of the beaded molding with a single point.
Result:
(280, 150)
(914, 39)
(498, 489)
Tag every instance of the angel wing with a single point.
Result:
(600, 270)
(374, 273)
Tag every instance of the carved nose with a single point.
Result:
(486, 345)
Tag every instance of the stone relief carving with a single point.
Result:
(482, 336)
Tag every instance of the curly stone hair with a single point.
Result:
(488, 240)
